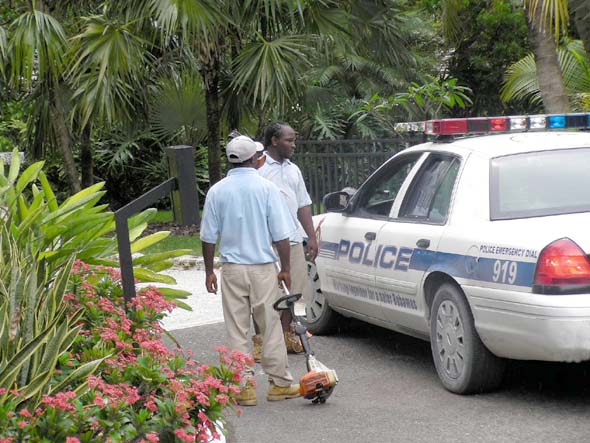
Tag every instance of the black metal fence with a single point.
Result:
(331, 165)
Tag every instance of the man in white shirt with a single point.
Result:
(279, 141)
(247, 214)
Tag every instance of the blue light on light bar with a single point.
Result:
(556, 121)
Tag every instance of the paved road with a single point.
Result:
(389, 391)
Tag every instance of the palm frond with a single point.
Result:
(187, 18)
(270, 70)
(36, 46)
(178, 109)
(109, 59)
(3, 42)
(521, 77)
(521, 81)
(555, 14)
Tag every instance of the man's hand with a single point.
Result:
(284, 277)
(312, 248)
(211, 283)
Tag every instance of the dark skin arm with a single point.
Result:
(211, 278)
(284, 250)
(304, 217)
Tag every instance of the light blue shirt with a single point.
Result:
(287, 176)
(248, 213)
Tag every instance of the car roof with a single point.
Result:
(498, 145)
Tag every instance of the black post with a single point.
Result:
(185, 199)
(181, 186)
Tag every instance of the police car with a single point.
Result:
(479, 244)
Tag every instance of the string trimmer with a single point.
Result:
(319, 382)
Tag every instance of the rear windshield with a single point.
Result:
(540, 183)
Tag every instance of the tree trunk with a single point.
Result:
(64, 140)
(210, 74)
(86, 162)
(581, 14)
(551, 86)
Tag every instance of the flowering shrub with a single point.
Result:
(141, 392)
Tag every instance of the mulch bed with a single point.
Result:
(174, 228)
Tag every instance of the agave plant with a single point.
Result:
(34, 328)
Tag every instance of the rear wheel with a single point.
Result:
(319, 317)
(463, 363)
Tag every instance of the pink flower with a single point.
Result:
(184, 436)
(152, 437)
(72, 440)
(25, 413)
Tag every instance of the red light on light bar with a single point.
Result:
(446, 126)
(499, 124)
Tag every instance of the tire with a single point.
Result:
(319, 317)
(463, 363)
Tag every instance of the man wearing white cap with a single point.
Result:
(248, 214)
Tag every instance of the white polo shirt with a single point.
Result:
(287, 176)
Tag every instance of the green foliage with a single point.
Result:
(492, 36)
(521, 84)
(116, 380)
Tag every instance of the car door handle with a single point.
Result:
(370, 236)
(423, 243)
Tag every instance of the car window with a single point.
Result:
(540, 183)
(379, 193)
(429, 196)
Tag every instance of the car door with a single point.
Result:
(412, 236)
(348, 249)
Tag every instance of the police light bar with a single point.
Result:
(479, 125)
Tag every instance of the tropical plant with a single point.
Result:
(521, 82)
(541, 15)
(141, 390)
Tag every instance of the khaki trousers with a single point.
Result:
(298, 272)
(250, 290)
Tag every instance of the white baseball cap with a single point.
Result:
(259, 147)
(240, 149)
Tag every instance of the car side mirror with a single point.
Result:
(336, 201)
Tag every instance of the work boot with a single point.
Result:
(276, 393)
(257, 347)
(247, 395)
(293, 343)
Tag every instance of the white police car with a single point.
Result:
(479, 244)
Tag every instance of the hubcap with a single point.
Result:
(450, 339)
(315, 304)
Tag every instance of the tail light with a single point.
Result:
(563, 268)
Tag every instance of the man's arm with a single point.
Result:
(211, 278)
(284, 250)
(304, 217)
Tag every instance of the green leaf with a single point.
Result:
(173, 294)
(183, 305)
(148, 240)
(148, 259)
(78, 374)
(49, 195)
(29, 175)
(14, 166)
(145, 275)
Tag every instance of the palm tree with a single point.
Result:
(36, 52)
(542, 16)
(521, 81)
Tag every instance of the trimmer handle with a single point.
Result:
(286, 302)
